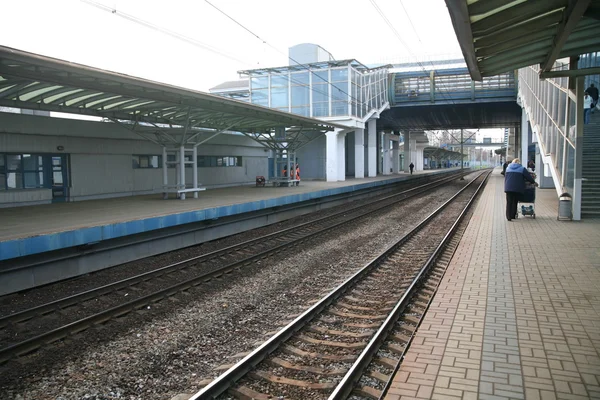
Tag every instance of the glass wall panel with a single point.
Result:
(259, 82)
(339, 108)
(570, 173)
(339, 74)
(279, 80)
(260, 97)
(304, 111)
(300, 93)
(320, 93)
(279, 97)
(300, 78)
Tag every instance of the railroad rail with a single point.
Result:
(177, 277)
(325, 352)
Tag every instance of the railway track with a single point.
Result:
(57, 320)
(349, 343)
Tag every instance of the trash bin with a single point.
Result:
(565, 206)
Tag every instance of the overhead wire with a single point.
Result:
(393, 29)
(279, 51)
(165, 31)
(193, 41)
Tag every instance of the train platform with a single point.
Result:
(31, 230)
(517, 314)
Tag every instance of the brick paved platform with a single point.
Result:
(517, 315)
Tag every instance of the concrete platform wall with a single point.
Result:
(313, 159)
(101, 158)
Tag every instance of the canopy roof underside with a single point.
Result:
(497, 36)
(35, 82)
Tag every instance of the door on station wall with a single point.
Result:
(59, 177)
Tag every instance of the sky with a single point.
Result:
(211, 47)
(81, 32)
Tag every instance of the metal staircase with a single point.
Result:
(590, 198)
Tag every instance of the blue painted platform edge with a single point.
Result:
(60, 240)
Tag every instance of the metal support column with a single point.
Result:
(181, 182)
(577, 190)
(165, 173)
(195, 172)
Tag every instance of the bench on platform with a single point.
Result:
(283, 182)
(180, 192)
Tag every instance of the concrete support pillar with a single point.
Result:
(419, 157)
(413, 153)
(387, 154)
(372, 147)
(359, 153)
(396, 156)
(331, 154)
(341, 165)
(407, 155)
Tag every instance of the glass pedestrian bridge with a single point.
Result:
(448, 86)
(349, 89)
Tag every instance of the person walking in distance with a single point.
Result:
(412, 167)
(514, 186)
(297, 174)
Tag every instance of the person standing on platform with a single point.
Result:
(593, 91)
(587, 107)
(514, 186)
(531, 165)
(412, 167)
(284, 171)
(504, 166)
(298, 174)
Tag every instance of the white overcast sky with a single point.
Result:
(76, 31)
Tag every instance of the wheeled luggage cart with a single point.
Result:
(526, 204)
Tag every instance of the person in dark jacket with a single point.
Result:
(412, 167)
(504, 166)
(593, 92)
(514, 186)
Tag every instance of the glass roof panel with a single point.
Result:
(78, 99)
(7, 88)
(33, 93)
(95, 102)
(55, 97)
(118, 103)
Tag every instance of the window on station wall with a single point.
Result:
(146, 161)
(300, 93)
(2, 173)
(219, 161)
(33, 171)
(24, 171)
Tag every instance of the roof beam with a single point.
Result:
(515, 15)
(571, 73)
(459, 15)
(572, 16)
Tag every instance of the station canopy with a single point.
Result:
(497, 36)
(441, 154)
(162, 113)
